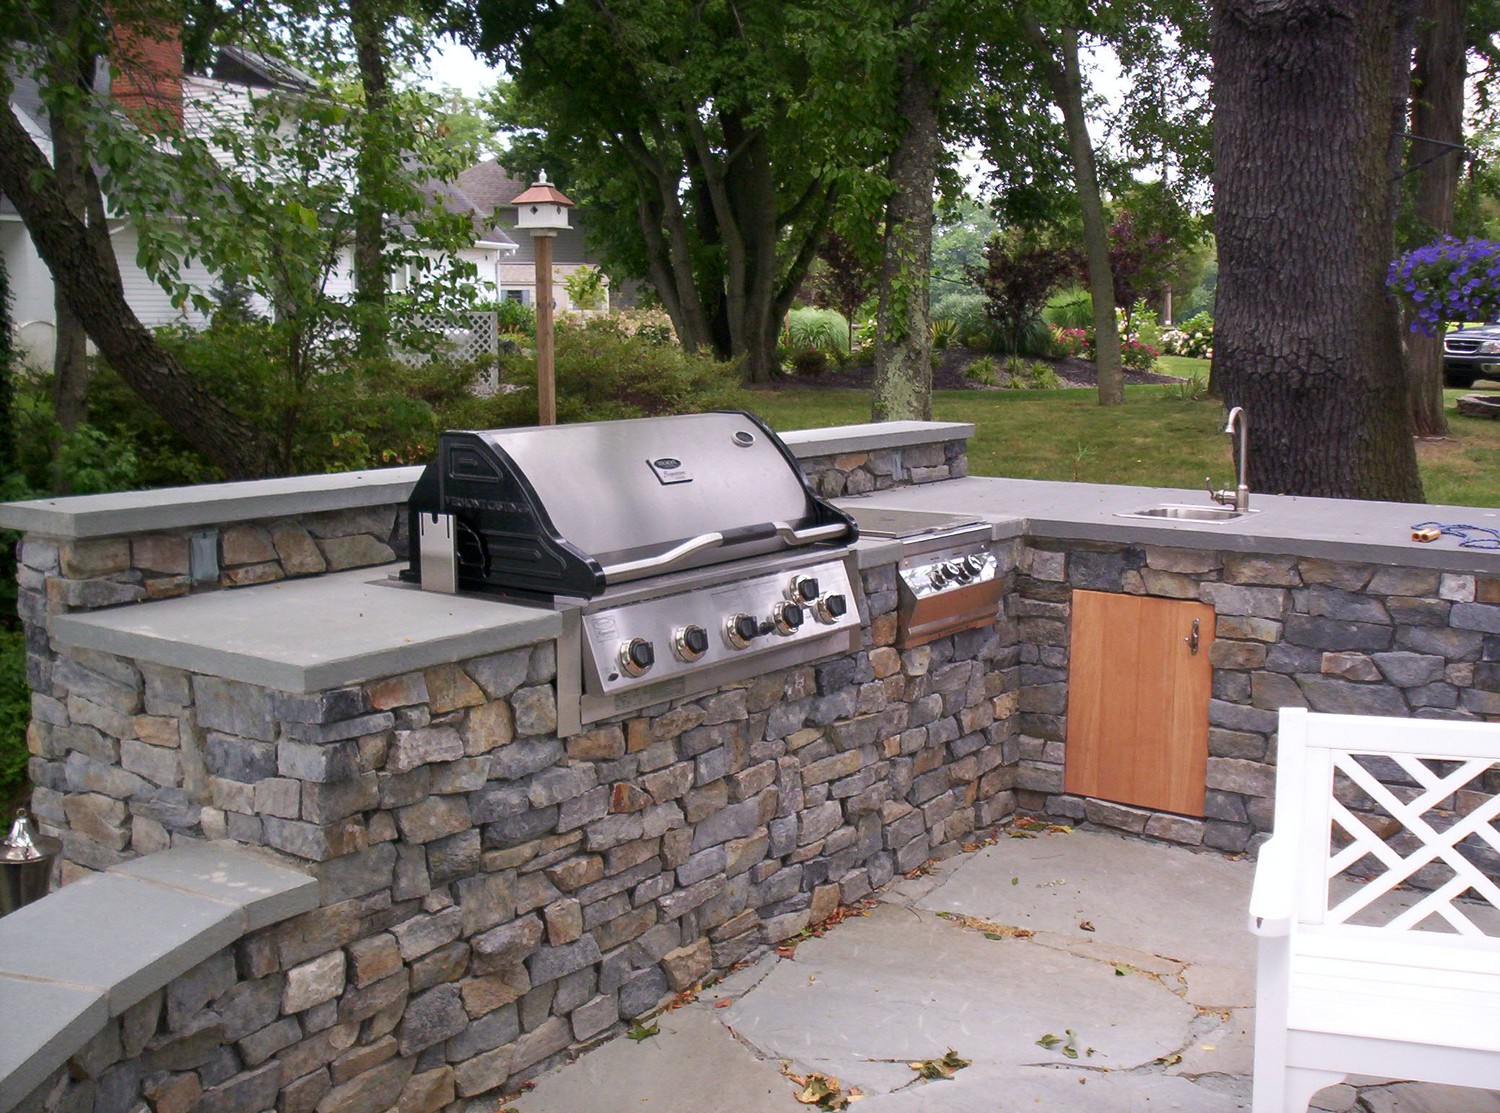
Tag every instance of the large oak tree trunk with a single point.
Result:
(1437, 118)
(84, 268)
(903, 334)
(1065, 79)
(1305, 336)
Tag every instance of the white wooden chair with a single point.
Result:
(1365, 973)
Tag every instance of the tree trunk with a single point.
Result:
(68, 66)
(903, 331)
(367, 21)
(84, 268)
(1305, 337)
(1060, 66)
(1437, 118)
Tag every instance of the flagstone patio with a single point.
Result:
(1077, 971)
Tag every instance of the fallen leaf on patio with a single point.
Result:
(1085, 925)
(686, 997)
(1169, 1060)
(821, 1090)
(1120, 971)
(1049, 1041)
(643, 1032)
(724, 1004)
(1209, 1046)
(988, 928)
(940, 1068)
(1015, 880)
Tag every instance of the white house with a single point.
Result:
(237, 76)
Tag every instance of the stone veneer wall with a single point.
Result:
(1337, 637)
(493, 896)
(859, 473)
(250, 1029)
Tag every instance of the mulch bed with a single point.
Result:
(949, 374)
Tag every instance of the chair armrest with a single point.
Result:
(1272, 896)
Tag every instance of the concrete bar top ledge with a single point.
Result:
(86, 953)
(311, 634)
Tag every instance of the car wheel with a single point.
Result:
(1459, 380)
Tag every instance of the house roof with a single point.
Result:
(490, 185)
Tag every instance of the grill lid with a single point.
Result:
(571, 509)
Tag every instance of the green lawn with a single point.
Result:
(1159, 437)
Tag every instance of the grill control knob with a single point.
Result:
(787, 618)
(974, 563)
(741, 630)
(690, 642)
(637, 656)
(832, 608)
(804, 589)
(938, 577)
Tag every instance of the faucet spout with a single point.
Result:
(1238, 421)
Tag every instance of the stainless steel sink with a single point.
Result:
(1187, 513)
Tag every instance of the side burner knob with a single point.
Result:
(690, 642)
(741, 630)
(974, 563)
(637, 656)
(804, 589)
(832, 608)
(787, 618)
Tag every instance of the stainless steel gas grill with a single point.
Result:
(682, 552)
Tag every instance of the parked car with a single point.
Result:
(1471, 353)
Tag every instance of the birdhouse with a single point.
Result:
(543, 209)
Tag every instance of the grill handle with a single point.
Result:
(663, 561)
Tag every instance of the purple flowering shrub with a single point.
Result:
(1449, 280)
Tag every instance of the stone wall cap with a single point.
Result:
(1347, 530)
(126, 512)
(873, 436)
(310, 634)
(89, 951)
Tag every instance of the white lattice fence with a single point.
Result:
(476, 335)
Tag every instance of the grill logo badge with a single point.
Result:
(668, 470)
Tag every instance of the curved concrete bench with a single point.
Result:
(86, 953)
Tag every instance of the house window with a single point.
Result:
(522, 296)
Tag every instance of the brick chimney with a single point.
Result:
(146, 72)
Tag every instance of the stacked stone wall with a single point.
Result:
(1336, 637)
(859, 473)
(493, 896)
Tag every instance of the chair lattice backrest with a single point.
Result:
(1402, 814)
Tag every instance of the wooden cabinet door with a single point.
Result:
(1138, 701)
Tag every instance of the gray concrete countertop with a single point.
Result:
(310, 634)
(1334, 529)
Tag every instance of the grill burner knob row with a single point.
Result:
(787, 618)
(804, 589)
(637, 656)
(690, 642)
(741, 630)
(832, 608)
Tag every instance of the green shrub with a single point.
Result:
(602, 375)
(1070, 308)
(966, 309)
(945, 333)
(809, 361)
(823, 329)
(984, 371)
(15, 713)
(515, 316)
(1029, 374)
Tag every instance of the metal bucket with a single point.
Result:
(26, 859)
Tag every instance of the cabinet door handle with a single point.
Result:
(1192, 639)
